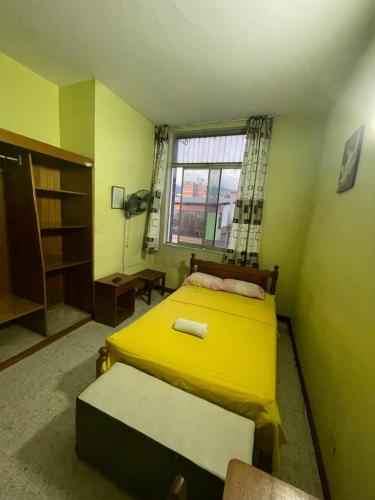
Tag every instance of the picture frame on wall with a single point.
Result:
(350, 161)
(118, 197)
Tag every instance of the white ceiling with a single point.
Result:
(181, 61)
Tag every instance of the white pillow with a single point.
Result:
(243, 288)
(205, 281)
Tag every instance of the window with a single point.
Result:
(204, 183)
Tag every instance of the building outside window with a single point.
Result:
(204, 184)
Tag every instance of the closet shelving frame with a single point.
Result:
(46, 230)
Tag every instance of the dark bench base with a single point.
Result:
(135, 462)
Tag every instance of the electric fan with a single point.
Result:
(137, 203)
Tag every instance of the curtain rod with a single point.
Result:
(220, 123)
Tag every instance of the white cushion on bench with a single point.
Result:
(202, 432)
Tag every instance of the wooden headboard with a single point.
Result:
(266, 279)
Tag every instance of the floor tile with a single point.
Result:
(61, 316)
(16, 484)
(296, 428)
(296, 467)
(14, 339)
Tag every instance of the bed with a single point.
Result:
(234, 366)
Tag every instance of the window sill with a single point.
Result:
(192, 247)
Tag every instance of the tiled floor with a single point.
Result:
(297, 458)
(15, 339)
(37, 406)
(61, 316)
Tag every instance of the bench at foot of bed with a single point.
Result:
(142, 432)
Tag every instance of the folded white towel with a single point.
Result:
(193, 327)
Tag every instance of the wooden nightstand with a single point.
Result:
(245, 482)
(114, 301)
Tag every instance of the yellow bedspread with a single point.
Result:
(234, 366)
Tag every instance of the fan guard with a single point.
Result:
(138, 203)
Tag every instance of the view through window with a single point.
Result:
(204, 183)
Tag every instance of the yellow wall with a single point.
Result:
(124, 145)
(334, 316)
(29, 104)
(292, 171)
(295, 148)
(96, 122)
(77, 117)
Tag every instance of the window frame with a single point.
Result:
(198, 166)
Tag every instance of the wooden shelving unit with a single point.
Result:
(54, 228)
(12, 307)
(45, 230)
(57, 262)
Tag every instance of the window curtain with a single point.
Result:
(160, 169)
(243, 246)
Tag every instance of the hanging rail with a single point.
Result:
(9, 158)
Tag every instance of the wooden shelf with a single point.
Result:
(57, 193)
(13, 307)
(60, 228)
(56, 262)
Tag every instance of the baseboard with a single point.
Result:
(314, 434)
(284, 319)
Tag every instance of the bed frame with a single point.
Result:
(266, 279)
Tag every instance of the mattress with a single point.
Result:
(233, 367)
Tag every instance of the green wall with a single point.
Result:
(97, 123)
(29, 104)
(124, 145)
(292, 170)
(77, 117)
(334, 315)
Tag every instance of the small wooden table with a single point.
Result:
(150, 278)
(114, 301)
(245, 482)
